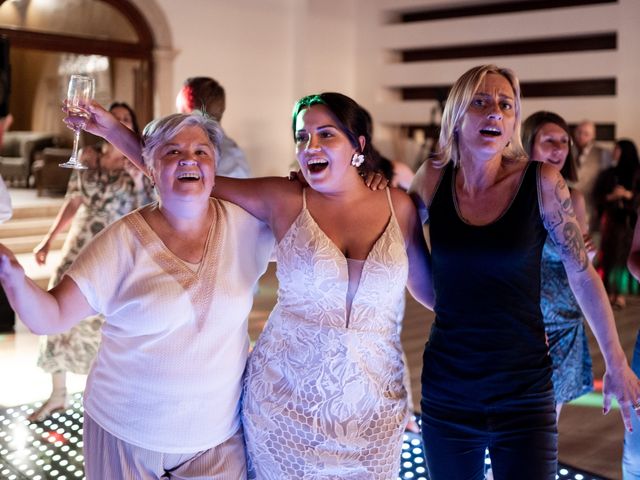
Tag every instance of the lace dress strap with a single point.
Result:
(393, 212)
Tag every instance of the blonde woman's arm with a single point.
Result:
(562, 226)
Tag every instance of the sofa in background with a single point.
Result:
(18, 154)
(49, 177)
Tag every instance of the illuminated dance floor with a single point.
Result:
(53, 449)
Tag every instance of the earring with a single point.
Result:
(357, 159)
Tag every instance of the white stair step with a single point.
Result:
(40, 273)
(25, 227)
(30, 211)
(27, 243)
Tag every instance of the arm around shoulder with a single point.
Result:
(419, 282)
(265, 198)
(424, 185)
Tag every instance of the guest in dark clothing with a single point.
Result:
(486, 380)
(616, 193)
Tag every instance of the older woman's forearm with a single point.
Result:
(128, 142)
(38, 309)
(104, 124)
(43, 312)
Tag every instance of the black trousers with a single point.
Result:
(7, 316)
(521, 435)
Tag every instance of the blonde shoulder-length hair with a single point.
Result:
(458, 102)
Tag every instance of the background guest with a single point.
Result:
(7, 317)
(397, 173)
(207, 95)
(616, 197)
(95, 198)
(591, 159)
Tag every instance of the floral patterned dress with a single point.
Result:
(323, 391)
(564, 324)
(106, 196)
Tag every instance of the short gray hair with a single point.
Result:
(159, 131)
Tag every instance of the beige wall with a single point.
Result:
(379, 72)
(267, 53)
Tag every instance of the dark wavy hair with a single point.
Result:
(134, 119)
(628, 164)
(530, 129)
(349, 117)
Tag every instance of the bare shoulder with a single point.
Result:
(402, 202)
(550, 176)
(405, 211)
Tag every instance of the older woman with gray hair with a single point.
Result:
(175, 336)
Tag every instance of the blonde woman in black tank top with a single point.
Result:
(487, 376)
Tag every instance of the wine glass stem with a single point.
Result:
(76, 144)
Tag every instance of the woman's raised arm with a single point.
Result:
(270, 199)
(560, 221)
(103, 123)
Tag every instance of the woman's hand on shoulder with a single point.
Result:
(375, 180)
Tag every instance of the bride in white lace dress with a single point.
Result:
(323, 392)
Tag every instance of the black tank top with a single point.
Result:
(487, 344)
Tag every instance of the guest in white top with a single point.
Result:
(5, 202)
(175, 282)
(5, 199)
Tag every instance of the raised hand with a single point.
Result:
(99, 122)
(41, 251)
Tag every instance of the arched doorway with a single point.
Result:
(49, 39)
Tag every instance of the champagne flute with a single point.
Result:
(80, 92)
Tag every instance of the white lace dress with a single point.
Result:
(323, 392)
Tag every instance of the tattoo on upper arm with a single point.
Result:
(565, 204)
(574, 244)
(564, 230)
